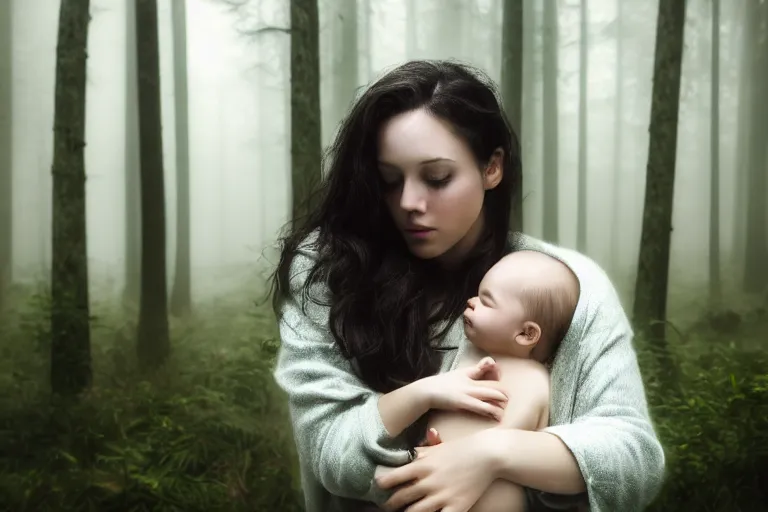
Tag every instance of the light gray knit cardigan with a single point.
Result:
(598, 406)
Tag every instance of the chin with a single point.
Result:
(425, 252)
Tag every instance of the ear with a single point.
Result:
(530, 335)
(494, 171)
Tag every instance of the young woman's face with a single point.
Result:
(434, 188)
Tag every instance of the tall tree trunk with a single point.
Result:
(650, 305)
(550, 123)
(181, 295)
(6, 155)
(741, 164)
(756, 251)
(305, 106)
(714, 144)
(345, 72)
(529, 112)
(512, 86)
(132, 199)
(618, 131)
(153, 343)
(581, 225)
(70, 331)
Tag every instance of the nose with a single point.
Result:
(471, 303)
(413, 198)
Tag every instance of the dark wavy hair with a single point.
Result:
(386, 304)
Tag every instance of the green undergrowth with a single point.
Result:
(209, 432)
(715, 433)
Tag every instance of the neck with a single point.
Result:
(459, 252)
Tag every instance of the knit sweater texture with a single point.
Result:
(598, 403)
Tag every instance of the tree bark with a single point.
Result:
(714, 144)
(344, 62)
(581, 224)
(305, 106)
(618, 144)
(756, 252)
(512, 86)
(6, 154)
(181, 295)
(550, 123)
(650, 305)
(153, 343)
(132, 199)
(70, 330)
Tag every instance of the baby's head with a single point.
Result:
(525, 301)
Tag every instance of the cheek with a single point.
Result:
(463, 198)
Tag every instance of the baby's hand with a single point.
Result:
(463, 389)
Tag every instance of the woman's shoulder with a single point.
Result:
(303, 261)
(590, 274)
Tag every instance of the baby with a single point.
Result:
(522, 311)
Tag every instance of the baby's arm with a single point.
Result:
(401, 408)
(459, 390)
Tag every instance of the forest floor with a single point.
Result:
(210, 433)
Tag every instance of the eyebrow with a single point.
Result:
(423, 162)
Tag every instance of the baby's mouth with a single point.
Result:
(467, 321)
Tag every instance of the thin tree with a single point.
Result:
(550, 123)
(512, 85)
(131, 158)
(153, 343)
(650, 304)
(6, 155)
(581, 224)
(345, 64)
(618, 143)
(714, 146)
(756, 250)
(181, 294)
(305, 105)
(70, 330)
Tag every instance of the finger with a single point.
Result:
(429, 504)
(456, 508)
(405, 496)
(493, 372)
(481, 368)
(482, 408)
(433, 437)
(398, 476)
(421, 452)
(488, 393)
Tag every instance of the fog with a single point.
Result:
(240, 135)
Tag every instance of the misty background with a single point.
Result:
(239, 127)
(203, 123)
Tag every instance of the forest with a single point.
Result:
(161, 147)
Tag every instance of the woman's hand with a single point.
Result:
(474, 389)
(449, 476)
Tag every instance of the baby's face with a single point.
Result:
(494, 317)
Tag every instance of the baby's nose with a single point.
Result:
(471, 303)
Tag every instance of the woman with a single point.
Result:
(369, 292)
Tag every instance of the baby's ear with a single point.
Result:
(530, 335)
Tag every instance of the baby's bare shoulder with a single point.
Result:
(523, 375)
